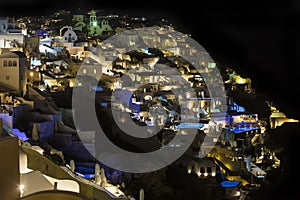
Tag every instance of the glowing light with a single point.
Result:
(31, 74)
(238, 193)
(189, 171)
(21, 187)
(199, 174)
(205, 174)
(240, 80)
(94, 23)
(213, 174)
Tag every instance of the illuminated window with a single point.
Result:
(84, 71)
(95, 71)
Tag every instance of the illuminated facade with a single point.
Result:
(94, 28)
(12, 71)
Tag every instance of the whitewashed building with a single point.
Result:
(13, 71)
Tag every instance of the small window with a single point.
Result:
(14, 63)
(7, 78)
(209, 170)
(202, 170)
(70, 34)
(9, 63)
(5, 63)
(84, 71)
(95, 71)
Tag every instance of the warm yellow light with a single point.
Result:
(213, 174)
(189, 171)
(240, 80)
(31, 74)
(205, 174)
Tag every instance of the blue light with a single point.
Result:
(236, 107)
(243, 129)
(162, 99)
(229, 184)
(97, 89)
(189, 125)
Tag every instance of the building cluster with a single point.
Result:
(42, 58)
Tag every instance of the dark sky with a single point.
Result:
(257, 38)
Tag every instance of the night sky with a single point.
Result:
(259, 39)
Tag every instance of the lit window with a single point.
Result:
(84, 71)
(95, 71)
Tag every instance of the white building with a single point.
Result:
(14, 42)
(69, 35)
(12, 71)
